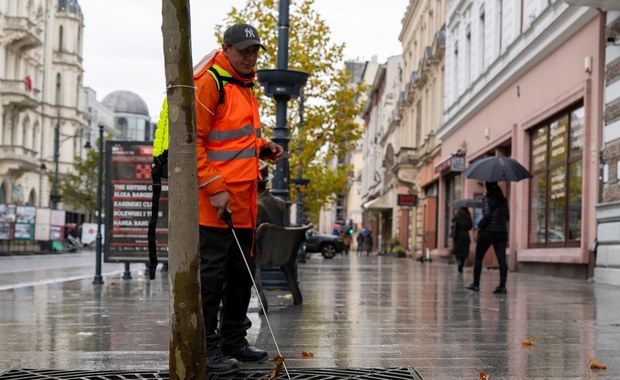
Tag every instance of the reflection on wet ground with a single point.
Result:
(357, 312)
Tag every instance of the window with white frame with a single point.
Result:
(556, 148)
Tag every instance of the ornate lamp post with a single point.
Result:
(282, 84)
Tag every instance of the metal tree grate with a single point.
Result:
(296, 374)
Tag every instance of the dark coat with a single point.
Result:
(461, 223)
(495, 214)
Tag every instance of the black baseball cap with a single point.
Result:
(241, 36)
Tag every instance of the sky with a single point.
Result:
(123, 39)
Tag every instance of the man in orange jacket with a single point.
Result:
(229, 144)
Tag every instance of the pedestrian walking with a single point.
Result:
(360, 243)
(459, 230)
(368, 242)
(493, 229)
(228, 150)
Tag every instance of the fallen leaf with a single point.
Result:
(484, 376)
(279, 362)
(529, 343)
(307, 354)
(596, 365)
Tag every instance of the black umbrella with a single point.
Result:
(474, 203)
(494, 169)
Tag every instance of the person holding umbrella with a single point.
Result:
(493, 231)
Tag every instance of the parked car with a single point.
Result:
(327, 245)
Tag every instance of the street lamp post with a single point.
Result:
(282, 84)
(98, 279)
(300, 181)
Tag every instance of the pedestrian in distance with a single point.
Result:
(229, 145)
(368, 242)
(360, 243)
(493, 231)
(459, 230)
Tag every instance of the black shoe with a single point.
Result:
(248, 354)
(473, 287)
(220, 364)
(500, 290)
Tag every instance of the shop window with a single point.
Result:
(556, 186)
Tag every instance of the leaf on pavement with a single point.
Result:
(307, 354)
(279, 362)
(596, 365)
(484, 376)
(529, 343)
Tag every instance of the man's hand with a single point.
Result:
(272, 152)
(221, 202)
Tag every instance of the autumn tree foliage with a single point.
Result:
(79, 187)
(331, 128)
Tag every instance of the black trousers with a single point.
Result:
(498, 240)
(225, 280)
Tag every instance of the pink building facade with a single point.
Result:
(540, 104)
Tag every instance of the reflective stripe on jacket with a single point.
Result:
(228, 143)
(231, 143)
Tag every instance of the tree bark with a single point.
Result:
(187, 335)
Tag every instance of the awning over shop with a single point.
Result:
(377, 204)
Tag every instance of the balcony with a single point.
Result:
(14, 92)
(439, 45)
(17, 159)
(20, 33)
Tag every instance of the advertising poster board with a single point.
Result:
(5, 231)
(7, 213)
(89, 233)
(7, 221)
(42, 225)
(128, 201)
(24, 222)
(24, 231)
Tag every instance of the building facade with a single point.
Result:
(43, 125)
(525, 79)
(375, 181)
(419, 116)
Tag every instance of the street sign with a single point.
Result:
(128, 199)
(407, 200)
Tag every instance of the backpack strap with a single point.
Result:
(222, 80)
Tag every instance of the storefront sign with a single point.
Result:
(129, 191)
(407, 200)
(451, 164)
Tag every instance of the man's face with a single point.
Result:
(242, 61)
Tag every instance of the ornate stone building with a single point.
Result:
(42, 122)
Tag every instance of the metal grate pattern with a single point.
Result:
(296, 374)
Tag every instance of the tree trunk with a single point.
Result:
(187, 335)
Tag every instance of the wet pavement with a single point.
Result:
(358, 312)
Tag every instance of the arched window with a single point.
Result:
(60, 37)
(58, 82)
(36, 140)
(26, 135)
(3, 193)
(32, 198)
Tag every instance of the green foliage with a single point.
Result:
(331, 106)
(79, 187)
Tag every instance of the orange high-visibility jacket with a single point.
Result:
(228, 144)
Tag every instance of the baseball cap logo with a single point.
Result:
(241, 36)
